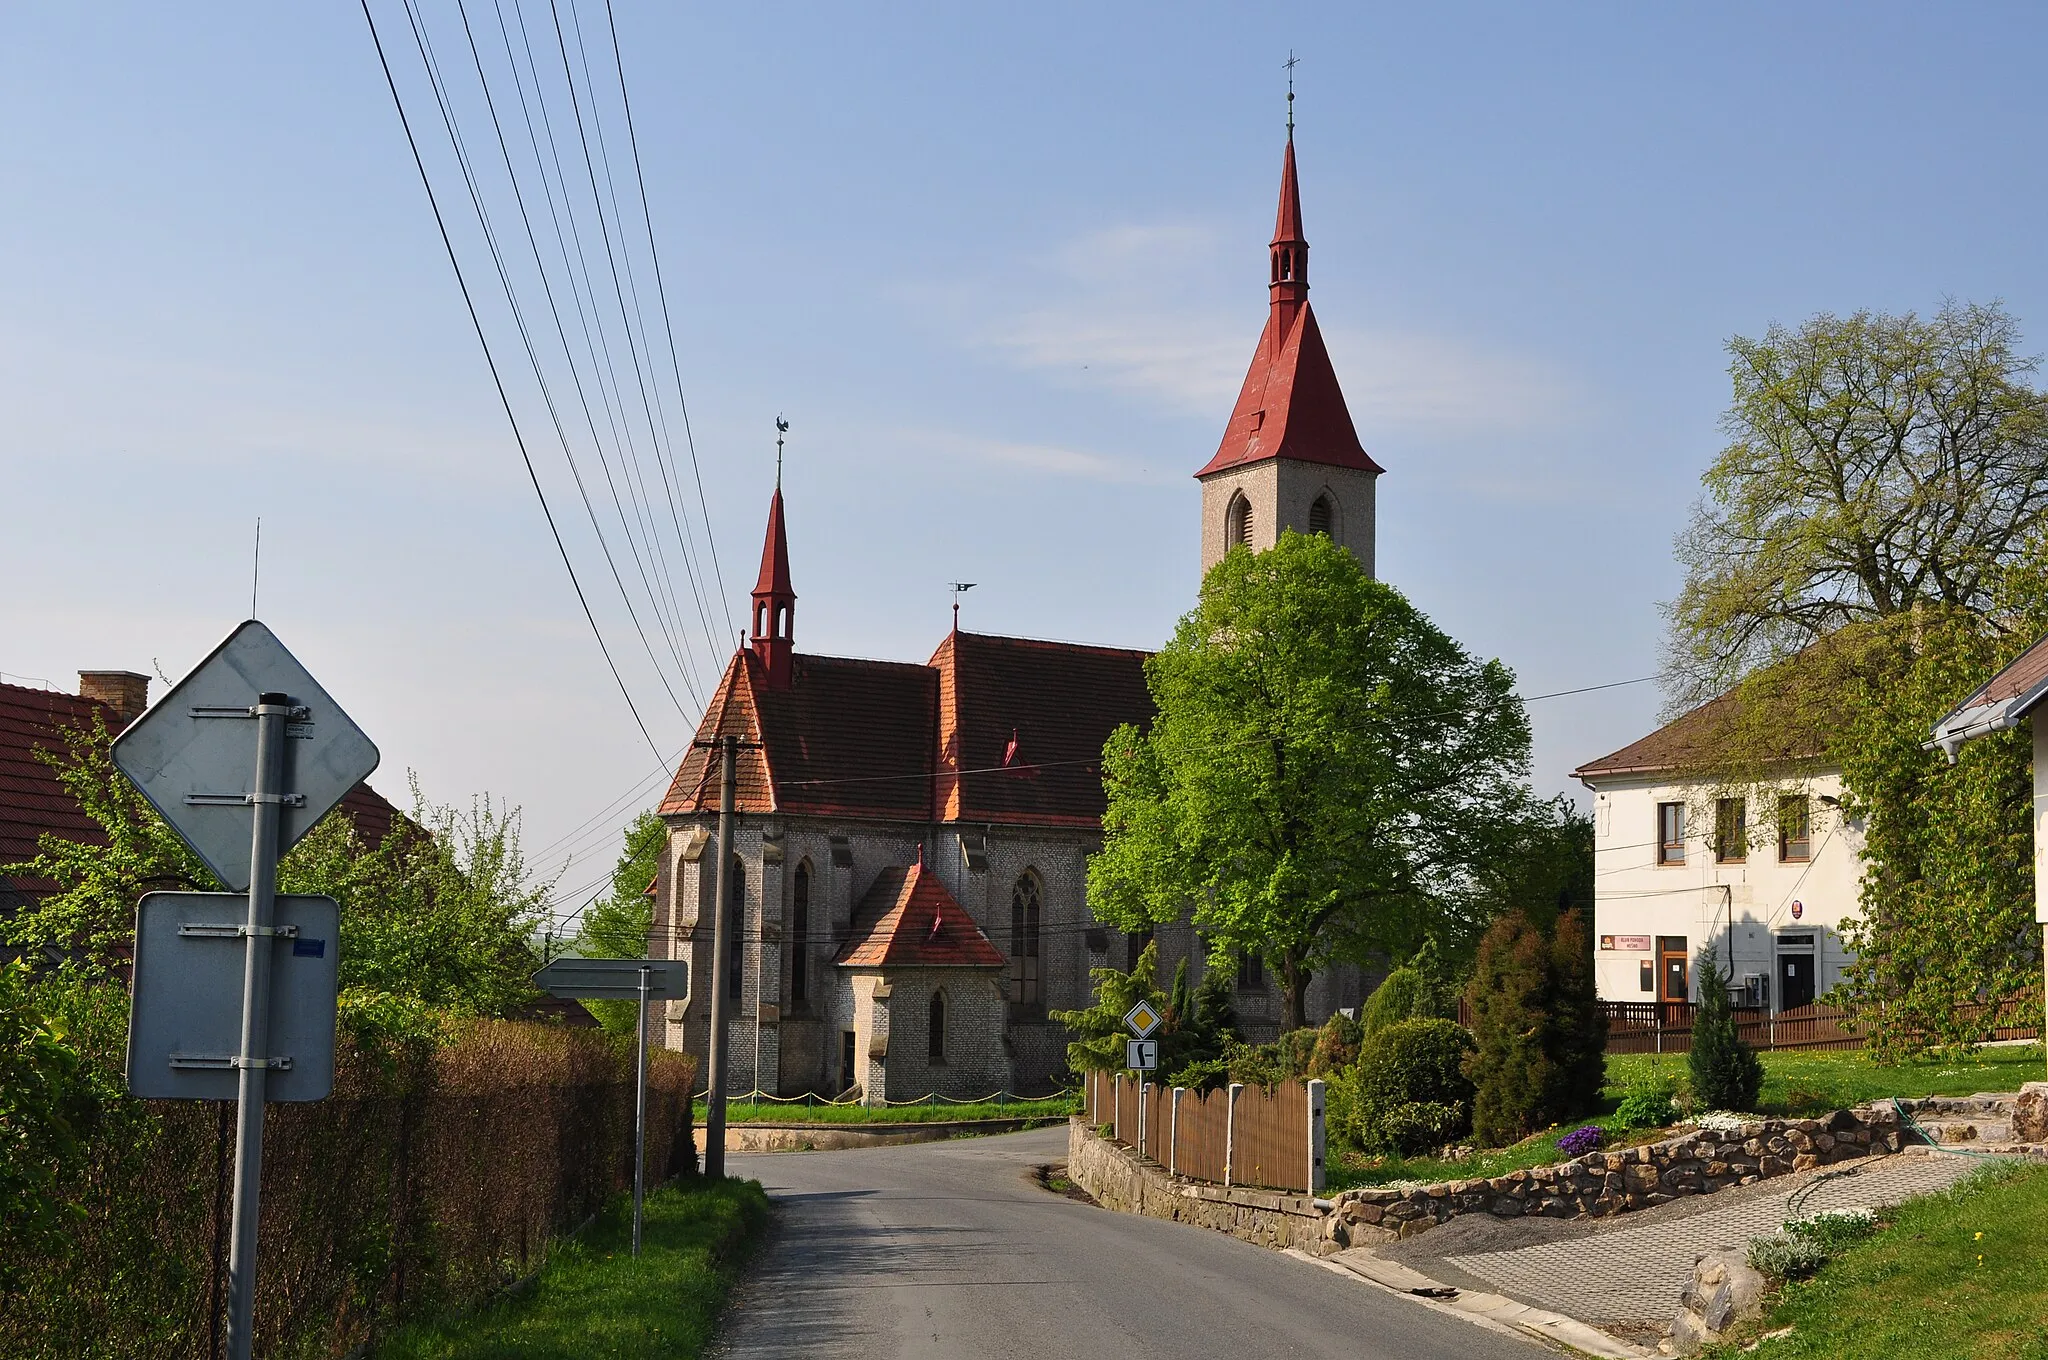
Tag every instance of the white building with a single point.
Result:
(1763, 878)
(2006, 699)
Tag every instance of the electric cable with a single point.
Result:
(498, 381)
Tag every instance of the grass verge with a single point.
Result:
(1796, 1083)
(1962, 1273)
(593, 1299)
(774, 1112)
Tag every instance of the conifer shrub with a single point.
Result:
(1336, 1046)
(1408, 1091)
(1726, 1073)
(1577, 1028)
(1510, 1065)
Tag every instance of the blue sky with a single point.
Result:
(1002, 268)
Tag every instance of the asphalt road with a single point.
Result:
(949, 1249)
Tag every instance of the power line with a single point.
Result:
(498, 381)
(449, 124)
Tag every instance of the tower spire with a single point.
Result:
(773, 637)
(1288, 279)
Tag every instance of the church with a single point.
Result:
(907, 880)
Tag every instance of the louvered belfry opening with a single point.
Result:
(1319, 516)
(1240, 525)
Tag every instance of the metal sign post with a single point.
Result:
(642, 980)
(1142, 1053)
(191, 757)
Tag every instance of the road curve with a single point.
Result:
(950, 1250)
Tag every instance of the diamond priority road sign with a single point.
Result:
(1142, 1019)
(185, 1018)
(193, 753)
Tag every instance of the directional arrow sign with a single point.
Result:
(614, 979)
(193, 754)
(1141, 1019)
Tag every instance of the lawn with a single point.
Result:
(777, 1112)
(1795, 1083)
(1801, 1082)
(593, 1299)
(1971, 1263)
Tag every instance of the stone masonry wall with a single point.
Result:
(1119, 1179)
(1612, 1182)
(1593, 1186)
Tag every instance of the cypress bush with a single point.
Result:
(1509, 1065)
(1541, 1036)
(1578, 1027)
(1726, 1073)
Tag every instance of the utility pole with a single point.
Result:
(714, 1100)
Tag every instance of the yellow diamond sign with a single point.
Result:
(1142, 1020)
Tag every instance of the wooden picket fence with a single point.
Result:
(1244, 1135)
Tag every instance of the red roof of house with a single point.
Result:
(34, 802)
(903, 742)
(909, 920)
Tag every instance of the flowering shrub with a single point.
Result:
(1581, 1141)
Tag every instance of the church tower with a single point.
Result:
(1290, 458)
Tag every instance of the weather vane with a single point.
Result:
(1291, 62)
(781, 429)
(960, 588)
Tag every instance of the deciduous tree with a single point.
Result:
(1326, 771)
(1875, 463)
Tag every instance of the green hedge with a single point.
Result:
(1408, 1091)
(433, 1176)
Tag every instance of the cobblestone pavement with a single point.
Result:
(1635, 1274)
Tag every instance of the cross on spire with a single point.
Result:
(1291, 62)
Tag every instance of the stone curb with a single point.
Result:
(1492, 1311)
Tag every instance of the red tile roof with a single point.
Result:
(881, 739)
(2025, 679)
(909, 920)
(847, 738)
(774, 577)
(34, 802)
(1058, 700)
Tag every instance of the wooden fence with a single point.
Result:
(1666, 1026)
(1244, 1135)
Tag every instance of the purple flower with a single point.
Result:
(1581, 1141)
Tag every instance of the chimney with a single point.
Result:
(124, 693)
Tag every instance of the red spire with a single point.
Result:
(1288, 253)
(774, 628)
(1291, 405)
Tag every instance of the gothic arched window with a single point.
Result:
(1027, 995)
(1238, 523)
(736, 931)
(935, 1030)
(1321, 516)
(800, 936)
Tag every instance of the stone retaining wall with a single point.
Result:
(822, 1136)
(1612, 1182)
(1593, 1186)
(1119, 1179)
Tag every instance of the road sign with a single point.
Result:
(185, 1013)
(1141, 1055)
(614, 979)
(193, 752)
(642, 980)
(1142, 1019)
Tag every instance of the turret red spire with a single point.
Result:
(1289, 253)
(775, 601)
